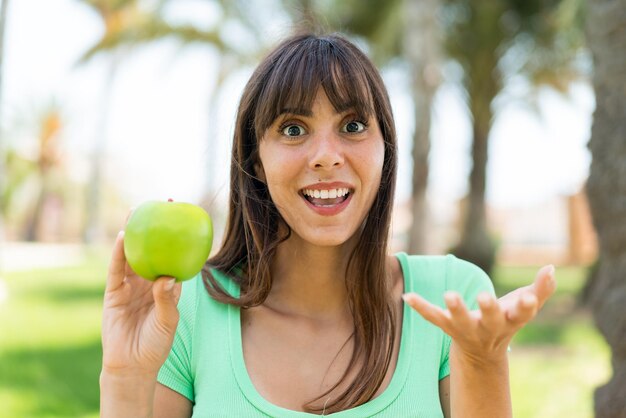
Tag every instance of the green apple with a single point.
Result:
(168, 239)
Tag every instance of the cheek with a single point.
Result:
(279, 170)
(372, 162)
(380, 159)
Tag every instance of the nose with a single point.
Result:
(327, 152)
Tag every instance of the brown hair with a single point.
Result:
(289, 77)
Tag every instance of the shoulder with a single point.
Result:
(463, 273)
(463, 276)
(194, 293)
(195, 305)
(194, 290)
(431, 276)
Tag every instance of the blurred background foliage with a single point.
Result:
(495, 52)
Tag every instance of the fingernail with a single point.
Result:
(169, 284)
(451, 299)
(484, 299)
(551, 270)
(405, 297)
(120, 234)
(528, 300)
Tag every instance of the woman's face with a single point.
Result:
(322, 169)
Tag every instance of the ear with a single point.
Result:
(259, 172)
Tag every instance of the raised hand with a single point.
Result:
(139, 318)
(487, 330)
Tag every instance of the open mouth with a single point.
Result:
(326, 198)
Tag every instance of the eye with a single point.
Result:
(354, 127)
(292, 130)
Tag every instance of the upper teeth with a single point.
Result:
(326, 194)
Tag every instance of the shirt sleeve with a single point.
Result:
(468, 280)
(176, 373)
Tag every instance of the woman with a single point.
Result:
(301, 311)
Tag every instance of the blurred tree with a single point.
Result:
(606, 187)
(35, 170)
(127, 24)
(495, 41)
(119, 17)
(243, 15)
(48, 158)
(136, 23)
(422, 48)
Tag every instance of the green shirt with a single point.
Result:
(206, 363)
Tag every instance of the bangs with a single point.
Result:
(298, 73)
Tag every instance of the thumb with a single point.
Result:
(166, 293)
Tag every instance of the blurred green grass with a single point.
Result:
(50, 350)
(50, 345)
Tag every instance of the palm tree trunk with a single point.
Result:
(33, 226)
(482, 82)
(475, 225)
(422, 49)
(476, 245)
(606, 188)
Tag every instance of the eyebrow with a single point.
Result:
(346, 107)
(308, 113)
(296, 111)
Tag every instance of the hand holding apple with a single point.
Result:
(139, 320)
(168, 239)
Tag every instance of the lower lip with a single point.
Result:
(329, 210)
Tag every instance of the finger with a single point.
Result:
(524, 309)
(544, 284)
(458, 311)
(178, 289)
(117, 266)
(166, 293)
(542, 287)
(428, 311)
(491, 316)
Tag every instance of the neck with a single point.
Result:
(309, 281)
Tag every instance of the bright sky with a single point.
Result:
(157, 127)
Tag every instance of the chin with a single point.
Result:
(326, 239)
(328, 243)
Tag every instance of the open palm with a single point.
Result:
(490, 328)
